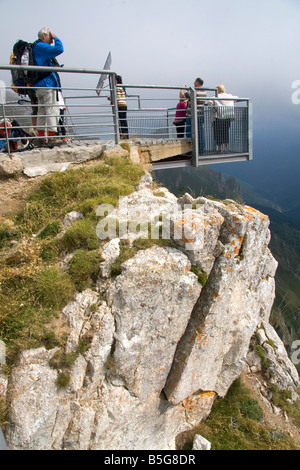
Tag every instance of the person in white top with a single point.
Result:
(223, 115)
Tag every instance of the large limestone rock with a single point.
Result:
(238, 295)
(153, 347)
(151, 302)
(113, 397)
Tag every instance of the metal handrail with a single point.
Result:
(89, 116)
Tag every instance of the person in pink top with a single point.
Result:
(180, 117)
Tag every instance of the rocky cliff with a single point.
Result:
(163, 338)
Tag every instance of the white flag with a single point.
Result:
(103, 76)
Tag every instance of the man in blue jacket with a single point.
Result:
(48, 109)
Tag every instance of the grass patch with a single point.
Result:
(62, 363)
(281, 399)
(51, 229)
(126, 252)
(28, 306)
(82, 234)
(265, 363)
(63, 379)
(63, 192)
(53, 289)
(84, 268)
(202, 275)
(158, 193)
(235, 424)
(33, 289)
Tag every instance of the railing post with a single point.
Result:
(3, 99)
(250, 131)
(113, 94)
(194, 124)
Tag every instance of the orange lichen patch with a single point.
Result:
(186, 229)
(201, 337)
(236, 220)
(216, 295)
(194, 402)
(236, 250)
(188, 220)
(237, 246)
(229, 270)
(228, 255)
(205, 395)
(255, 211)
(215, 219)
(186, 269)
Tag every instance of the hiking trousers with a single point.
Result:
(48, 109)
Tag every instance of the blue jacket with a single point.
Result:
(42, 54)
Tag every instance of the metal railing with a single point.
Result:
(150, 114)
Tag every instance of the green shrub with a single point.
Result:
(81, 234)
(61, 360)
(251, 409)
(84, 268)
(202, 275)
(51, 230)
(4, 413)
(53, 288)
(63, 379)
(49, 249)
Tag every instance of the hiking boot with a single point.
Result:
(55, 142)
(40, 142)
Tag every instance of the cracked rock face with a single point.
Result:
(151, 302)
(161, 346)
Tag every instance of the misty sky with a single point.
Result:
(253, 47)
(250, 46)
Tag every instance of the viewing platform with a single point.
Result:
(92, 123)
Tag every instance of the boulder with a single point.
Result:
(10, 167)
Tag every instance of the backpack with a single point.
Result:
(22, 55)
(19, 139)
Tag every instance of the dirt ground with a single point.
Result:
(13, 192)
